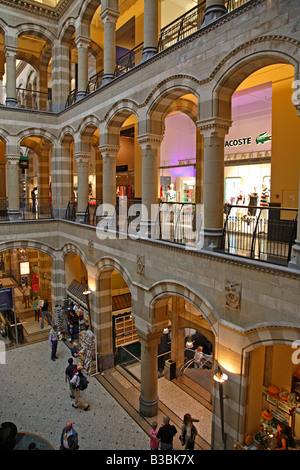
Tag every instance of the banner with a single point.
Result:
(35, 282)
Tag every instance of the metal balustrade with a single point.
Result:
(266, 234)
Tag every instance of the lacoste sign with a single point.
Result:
(260, 139)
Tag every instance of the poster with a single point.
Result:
(6, 299)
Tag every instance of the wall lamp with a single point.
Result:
(220, 378)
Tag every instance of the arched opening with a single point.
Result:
(26, 308)
(272, 396)
(257, 188)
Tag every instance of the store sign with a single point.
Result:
(260, 139)
(23, 162)
(6, 298)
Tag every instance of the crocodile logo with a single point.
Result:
(263, 138)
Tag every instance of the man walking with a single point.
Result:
(69, 438)
(69, 375)
(45, 313)
(77, 380)
(166, 433)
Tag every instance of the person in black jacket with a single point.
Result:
(69, 438)
(166, 433)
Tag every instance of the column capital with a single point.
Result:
(82, 157)
(12, 159)
(82, 41)
(215, 125)
(109, 150)
(150, 140)
(109, 15)
(153, 333)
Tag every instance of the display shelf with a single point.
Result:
(125, 332)
(88, 352)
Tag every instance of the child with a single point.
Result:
(154, 442)
(198, 357)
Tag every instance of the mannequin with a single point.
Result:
(171, 194)
(253, 199)
(264, 202)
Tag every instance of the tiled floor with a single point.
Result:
(35, 396)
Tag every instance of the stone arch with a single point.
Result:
(35, 132)
(163, 290)
(72, 247)
(30, 29)
(244, 61)
(115, 117)
(28, 244)
(162, 98)
(107, 264)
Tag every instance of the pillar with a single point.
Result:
(149, 374)
(150, 28)
(43, 179)
(11, 92)
(150, 145)
(109, 157)
(61, 85)
(58, 279)
(295, 261)
(103, 322)
(178, 331)
(12, 174)
(82, 44)
(82, 160)
(214, 9)
(213, 131)
(109, 16)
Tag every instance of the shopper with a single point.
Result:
(198, 357)
(188, 432)
(78, 393)
(75, 352)
(69, 438)
(45, 313)
(26, 295)
(69, 373)
(154, 442)
(166, 433)
(53, 340)
(35, 306)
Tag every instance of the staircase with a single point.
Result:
(126, 391)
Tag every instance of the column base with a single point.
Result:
(149, 408)
(80, 217)
(11, 102)
(148, 52)
(14, 215)
(212, 239)
(80, 95)
(107, 78)
(295, 261)
(213, 13)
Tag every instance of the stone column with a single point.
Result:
(109, 157)
(214, 10)
(214, 131)
(11, 83)
(12, 151)
(43, 197)
(109, 16)
(150, 145)
(58, 279)
(61, 83)
(82, 44)
(82, 160)
(295, 261)
(178, 331)
(150, 28)
(103, 323)
(149, 374)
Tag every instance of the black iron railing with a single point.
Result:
(71, 210)
(266, 234)
(31, 209)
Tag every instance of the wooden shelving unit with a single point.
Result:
(125, 332)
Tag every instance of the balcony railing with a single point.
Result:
(174, 32)
(71, 210)
(38, 209)
(267, 234)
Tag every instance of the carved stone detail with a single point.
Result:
(233, 295)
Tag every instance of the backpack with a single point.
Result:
(83, 383)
